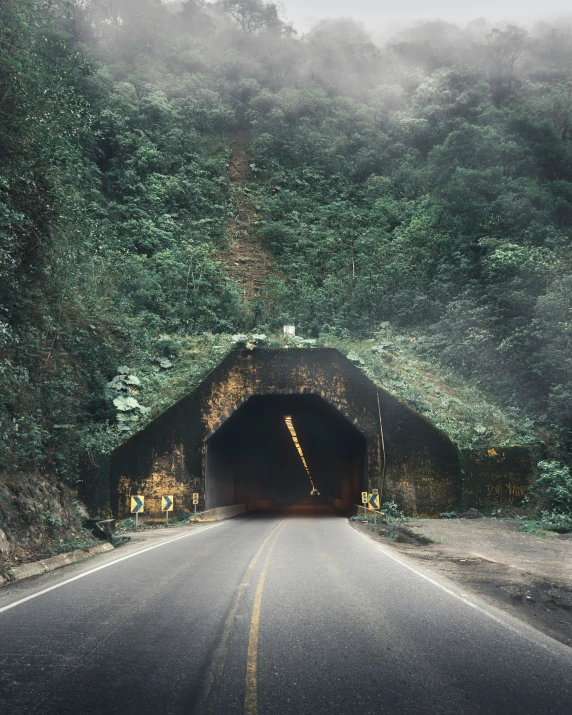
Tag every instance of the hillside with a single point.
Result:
(171, 177)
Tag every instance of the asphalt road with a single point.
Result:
(284, 614)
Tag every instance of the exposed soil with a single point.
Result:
(247, 260)
(527, 575)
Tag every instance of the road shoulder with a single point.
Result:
(524, 575)
(36, 568)
(33, 586)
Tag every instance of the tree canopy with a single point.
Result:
(426, 183)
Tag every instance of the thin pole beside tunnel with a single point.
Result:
(382, 447)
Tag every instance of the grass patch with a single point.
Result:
(405, 535)
(538, 528)
(66, 546)
(469, 416)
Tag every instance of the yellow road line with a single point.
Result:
(229, 623)
(219, 658)
(251, 695)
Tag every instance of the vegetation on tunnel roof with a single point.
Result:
(394, 361)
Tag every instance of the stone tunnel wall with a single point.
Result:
(423, 469)
(493, 478)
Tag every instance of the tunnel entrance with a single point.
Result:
(253, 457)
(227, 440)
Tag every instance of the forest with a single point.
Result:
(425, 185)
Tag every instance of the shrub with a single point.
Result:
(553, 488)
(128, 523)
(553, 521)
(392, 510)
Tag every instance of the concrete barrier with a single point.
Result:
(220, 512)
(35, 568)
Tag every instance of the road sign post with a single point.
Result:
(137, 507)
(167, 506)
(373, 504)
(195, 502)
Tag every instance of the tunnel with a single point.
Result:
(226, 442)
(253, 457)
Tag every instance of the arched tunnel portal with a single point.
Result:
(227, 440)
(254, 456)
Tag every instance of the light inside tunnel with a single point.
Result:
(290, 425)
(253, 458)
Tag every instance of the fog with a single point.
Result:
(382, 16)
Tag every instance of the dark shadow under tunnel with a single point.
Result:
(253, 458)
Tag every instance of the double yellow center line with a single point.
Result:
(214, 676)
(251, 695)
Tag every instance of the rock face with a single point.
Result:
(38, 514)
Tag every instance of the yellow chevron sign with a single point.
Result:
(373, 501)
(167, 503)
(137, 504)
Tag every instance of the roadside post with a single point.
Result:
(167, 506)
(364, 498)
(137, 507)
(195, 502)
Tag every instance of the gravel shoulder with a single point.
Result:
(527, 575)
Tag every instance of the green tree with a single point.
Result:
(252, 15)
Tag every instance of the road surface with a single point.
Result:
(290, 613)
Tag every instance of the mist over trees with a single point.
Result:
(426, 182)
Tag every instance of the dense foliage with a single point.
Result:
(551, 499)
(427, 184)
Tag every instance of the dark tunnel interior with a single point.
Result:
(253, 458)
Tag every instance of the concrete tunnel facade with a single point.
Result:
(228, 441)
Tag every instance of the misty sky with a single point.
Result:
(380, 15)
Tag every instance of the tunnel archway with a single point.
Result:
(187, 449)
(252, 458)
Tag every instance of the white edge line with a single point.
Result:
(481, 610)
(104, 566)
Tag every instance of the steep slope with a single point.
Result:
(247, 260)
